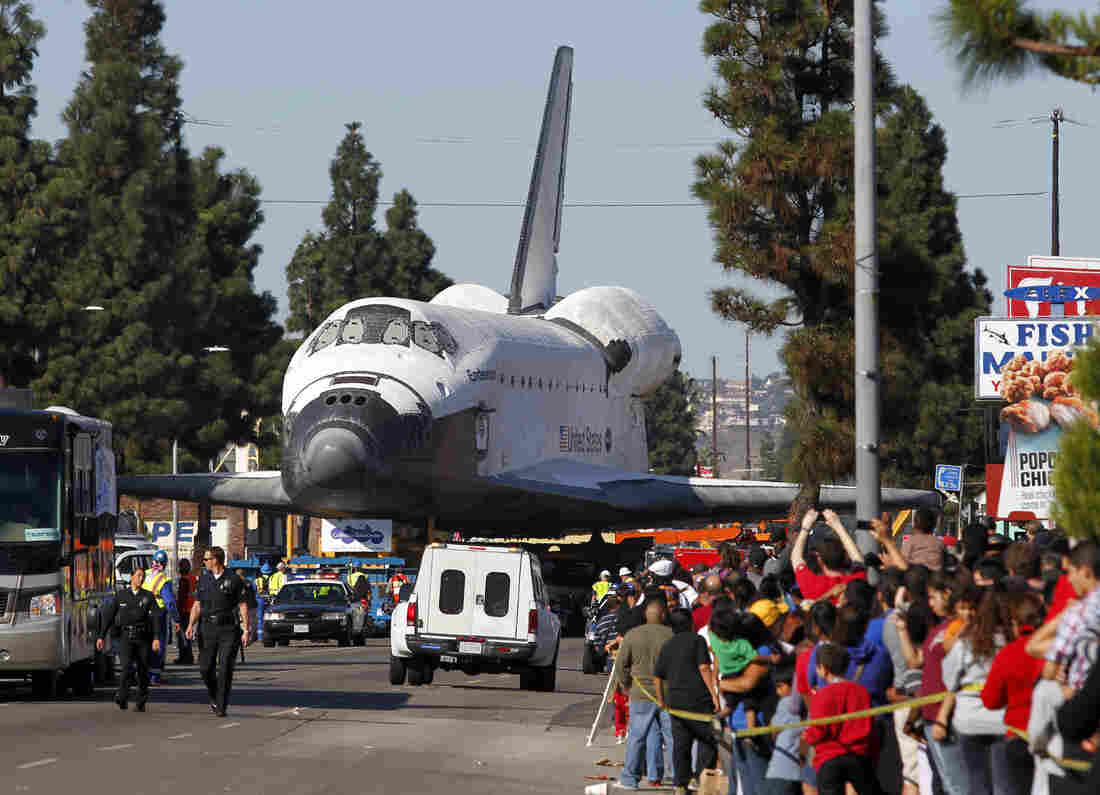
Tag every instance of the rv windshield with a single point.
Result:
(29, 508)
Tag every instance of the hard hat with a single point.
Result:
(605, 573)
(663, 567)
(282, 565)
(624, 571)
(161, 557)
(266, 569)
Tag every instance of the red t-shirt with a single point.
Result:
(932, 673)
(851, 736)
(700, 616)
(1011, 681)
(814, 586)
(802, 672)
(1063, 593)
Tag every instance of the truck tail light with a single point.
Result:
(532, 621)
(410, 615)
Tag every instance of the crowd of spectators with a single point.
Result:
(1008, 630)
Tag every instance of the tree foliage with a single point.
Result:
(350, 258)
(128, 220)
(22, 165)
(781, 202)
(1004, 39)
(670, 426)
(1077, 474)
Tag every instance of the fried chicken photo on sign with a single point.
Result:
(1068, 410)
(1017, 385)
(1027, 416)
(1057, 384)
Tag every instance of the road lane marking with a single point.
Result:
(181, 736)
(285, 712)
(39, 763)
(115, 747)
(229, 725)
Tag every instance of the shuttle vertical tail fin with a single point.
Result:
(535, 276)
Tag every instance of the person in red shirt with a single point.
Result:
(709, 589)
(1010, 684)
(842, 750)
(832, 553)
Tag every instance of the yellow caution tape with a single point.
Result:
(1069, 764)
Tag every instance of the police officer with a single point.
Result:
(278, 580)
(137, 615)
(222, 598)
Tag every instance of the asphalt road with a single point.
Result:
(312, 719)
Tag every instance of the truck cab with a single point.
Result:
(476, 609)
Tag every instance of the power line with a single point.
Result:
(596, 204)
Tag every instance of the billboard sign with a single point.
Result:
(1045, 282)
(1027, 366)
(161, 534)
(356, 535)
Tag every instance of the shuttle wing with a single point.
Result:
(635, 499)
(262, 490)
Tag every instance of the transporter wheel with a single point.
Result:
(44, 685)
(398, 669)
(416, 675)
(588, 661)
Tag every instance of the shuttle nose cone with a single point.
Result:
(336, 458)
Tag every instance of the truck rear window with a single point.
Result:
(452, 589)
(497, 587)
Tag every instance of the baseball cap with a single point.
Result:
(768, 611)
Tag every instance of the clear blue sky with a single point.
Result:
(287, 76)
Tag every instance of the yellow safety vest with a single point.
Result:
(601, 588)
(354, 577)
(154, 583)
(277, 581)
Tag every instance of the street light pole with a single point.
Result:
(175, 514)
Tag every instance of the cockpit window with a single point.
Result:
(389, 325)
(424, 337)
(369, 324)
(325, 336)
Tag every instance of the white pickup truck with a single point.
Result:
(476, 609)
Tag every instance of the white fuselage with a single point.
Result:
(544, 389)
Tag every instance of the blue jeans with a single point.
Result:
(747, 765)
(948, 760)
(647, 729)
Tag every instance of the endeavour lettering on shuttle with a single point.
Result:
(584, 441)
(481, 375)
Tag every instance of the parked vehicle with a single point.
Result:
(477, 610)
(315, 609)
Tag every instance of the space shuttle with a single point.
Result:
(499, 413)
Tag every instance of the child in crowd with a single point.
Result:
(733, 653)
(784, 773)
(842, 750)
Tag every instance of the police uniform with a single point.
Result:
(221, 633)
(136, 615)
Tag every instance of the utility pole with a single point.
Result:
(748, 393)
(868, 496)
(1056, 118)
(714, 415)
(175, 514)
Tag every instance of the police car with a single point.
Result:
(315, 609)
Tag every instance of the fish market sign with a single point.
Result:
(1010, 351)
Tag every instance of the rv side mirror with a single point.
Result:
(406, 592)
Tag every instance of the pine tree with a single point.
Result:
(22, 164)
(782, 211)
(995, 39)
(670, 426)
(132, 223)
(350, 258)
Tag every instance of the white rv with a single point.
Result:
(478, 610)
